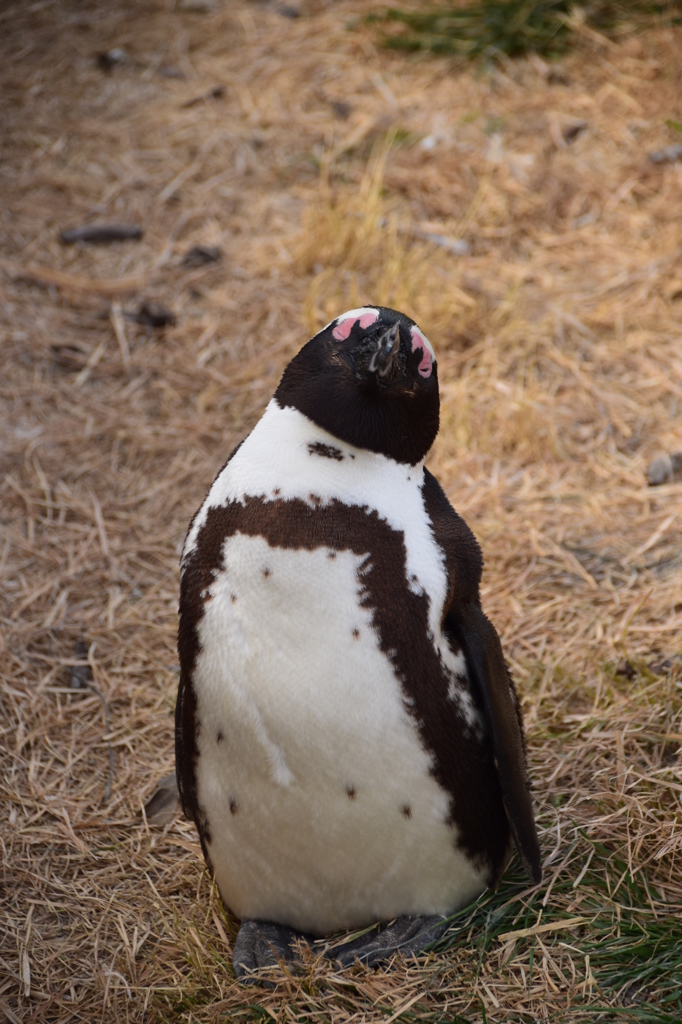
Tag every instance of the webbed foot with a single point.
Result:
(405, 935)
(262, 944)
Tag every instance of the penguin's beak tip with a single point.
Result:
(387, 348)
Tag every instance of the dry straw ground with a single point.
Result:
(320, 172)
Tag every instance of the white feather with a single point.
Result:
(307, 790)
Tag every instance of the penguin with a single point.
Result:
(349, 742)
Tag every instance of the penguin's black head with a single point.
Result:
(370, 379)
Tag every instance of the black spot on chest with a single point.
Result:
(325, 451)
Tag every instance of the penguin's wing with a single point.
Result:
(488, 672)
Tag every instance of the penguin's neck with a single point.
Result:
(289, 459)
(288, 444)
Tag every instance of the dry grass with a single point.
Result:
(559, 354)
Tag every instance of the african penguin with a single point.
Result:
(348, 739)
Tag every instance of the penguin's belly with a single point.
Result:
(321, 812)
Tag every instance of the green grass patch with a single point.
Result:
(627, 945)
(512, 27)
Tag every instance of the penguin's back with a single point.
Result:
(334, 757)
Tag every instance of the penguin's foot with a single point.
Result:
(405, 935)
(262, 944)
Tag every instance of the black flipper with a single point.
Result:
(488, 673)
(477, 638)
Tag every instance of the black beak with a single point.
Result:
(387, 348)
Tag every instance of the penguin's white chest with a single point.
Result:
(321, 809)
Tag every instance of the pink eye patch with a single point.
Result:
(342, 330)
(419, 341)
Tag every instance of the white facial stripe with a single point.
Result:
(419, 335)
(357, 313)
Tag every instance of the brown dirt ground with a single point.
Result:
(320, 172)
